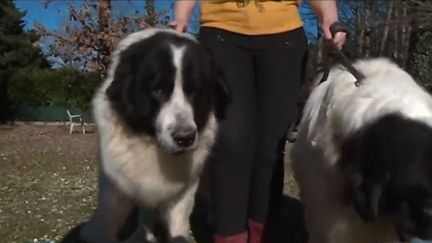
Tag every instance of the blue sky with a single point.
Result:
(54, 16)
(50, 17)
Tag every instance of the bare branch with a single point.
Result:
(91, 32)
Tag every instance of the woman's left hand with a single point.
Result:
(338, 39)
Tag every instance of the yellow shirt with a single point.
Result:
(253, 17)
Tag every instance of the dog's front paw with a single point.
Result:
(179, 239)
(73, 236)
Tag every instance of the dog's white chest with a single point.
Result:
(144, 171)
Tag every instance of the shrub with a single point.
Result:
(48, 87)
(421, 62)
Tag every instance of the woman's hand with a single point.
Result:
(328, 15)
(179, 25)
(182, 13)
(338, 39)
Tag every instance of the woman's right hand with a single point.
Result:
(179, 25)
(182, 13)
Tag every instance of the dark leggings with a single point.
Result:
(264, 74)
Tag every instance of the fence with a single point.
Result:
(48, 113)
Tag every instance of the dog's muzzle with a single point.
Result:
(184, 138)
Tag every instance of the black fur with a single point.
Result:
(144, 80)
(388, 170)
(73, 236)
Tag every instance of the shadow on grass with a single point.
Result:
(286, 226)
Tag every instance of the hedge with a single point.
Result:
(56, 88)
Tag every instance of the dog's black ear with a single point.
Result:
(119, 87)
(365, 195)
(125, 94)
(364, 177)
(221, 91)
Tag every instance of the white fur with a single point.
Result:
(137, 165)
(336, 109)
(177, 112)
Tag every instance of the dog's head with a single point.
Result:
(387, 167)
(165, 84)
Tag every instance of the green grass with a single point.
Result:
(44, 200)
(43, 192)
(48, 184)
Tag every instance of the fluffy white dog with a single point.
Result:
(363, 157)
(157, 114)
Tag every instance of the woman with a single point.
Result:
(261, 47)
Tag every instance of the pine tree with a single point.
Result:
(16, 51)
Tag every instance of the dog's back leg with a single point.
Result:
(112, 212)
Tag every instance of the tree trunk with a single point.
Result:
(5, 106)
(384, 41)
(150, 11)
(396, 38)
(104, 44)
(406, 37)
(360, 28)
(367, 28)
(104, 14)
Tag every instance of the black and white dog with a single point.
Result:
(363, 157)
(157, 114)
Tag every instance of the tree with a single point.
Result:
(420, 63)
(387, 28)
(17, 50)
(92, 31)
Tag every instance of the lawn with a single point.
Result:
(48, 184)
(47, 181)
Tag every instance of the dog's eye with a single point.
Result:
(190, 90)
(191, 93)
(157, 92)
(428, 210)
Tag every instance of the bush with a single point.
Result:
(421, 60)
(48, 87)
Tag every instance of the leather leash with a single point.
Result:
(331, 51)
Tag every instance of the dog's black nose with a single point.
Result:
(184, 138)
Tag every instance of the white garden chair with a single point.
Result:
(75, 120)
